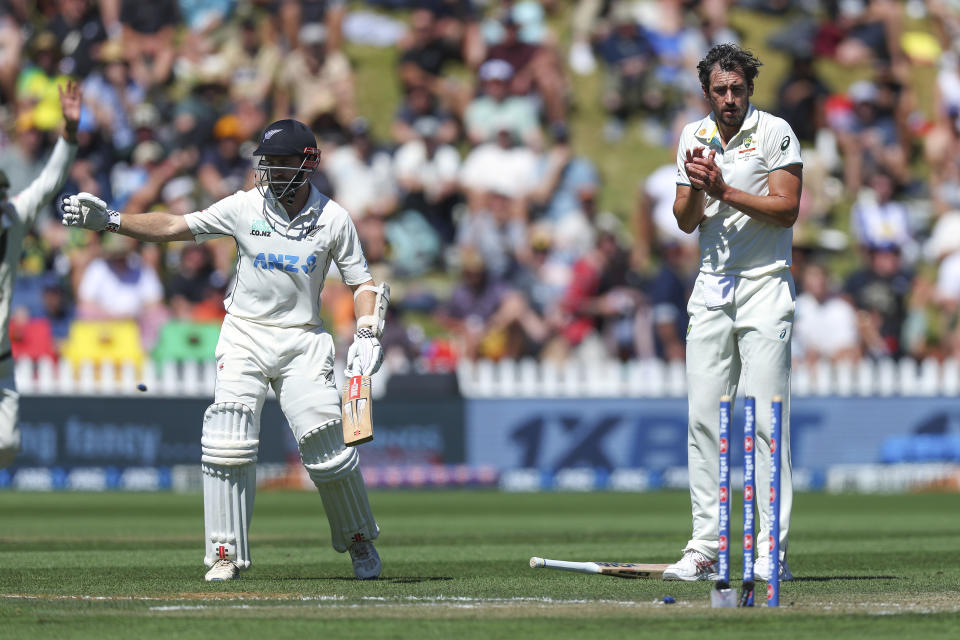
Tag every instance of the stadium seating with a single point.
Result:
(32, 338)
(98, 341)
(186, 341)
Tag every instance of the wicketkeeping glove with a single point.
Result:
(365, 354)
(87, 211)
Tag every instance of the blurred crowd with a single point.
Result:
(475, 205)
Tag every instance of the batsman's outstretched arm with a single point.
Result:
(87, 211)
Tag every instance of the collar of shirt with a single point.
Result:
(708, 133)
(314, 205)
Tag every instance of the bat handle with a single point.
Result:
(536, 562)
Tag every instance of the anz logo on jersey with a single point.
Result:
(284, 262)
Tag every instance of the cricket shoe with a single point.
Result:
(222, 570)
(691, 567)
(366, 560)
(761, 569)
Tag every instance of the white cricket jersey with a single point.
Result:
(731, 242)
(16, 218)
(282, 263)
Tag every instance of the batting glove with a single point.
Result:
(365, 354)
(87, 211)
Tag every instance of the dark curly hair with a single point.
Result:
(730, 57)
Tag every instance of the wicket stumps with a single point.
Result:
(723, 539)
(773, 587)
(749, 497)
(749, 494)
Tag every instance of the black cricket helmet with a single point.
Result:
(285, 138)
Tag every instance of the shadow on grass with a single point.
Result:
(831, 578)
(389, 579)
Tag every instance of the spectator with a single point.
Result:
(11, 45)
(165, 186)
(669, 292)
(223, 170)
(878, 218)
(536, 70)
(495, 108)
(628, 59)
(496, 231)
(196, 289)
(427, 172)
(23, 160)
(112, 94)
(58, 309)
(196, 113)
(127, 179)
(860, 32)
(597, 301)
(37, 83)
(869, 138)
(944, 137)
(457, 23)
(543, 274)
(119, 286)
(473, 302)
(944, 250)
(801, 98)
(826, 323)
(561, 177)
(79, 30)
(362, 175)
(423, 59)
(501, 164)
(328, 13)
(879, 293)
(655, 226)
(420, 103)
(316, 81)
(148, 30)
(254, 60)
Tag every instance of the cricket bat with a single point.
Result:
(618, 569)
(356, 411)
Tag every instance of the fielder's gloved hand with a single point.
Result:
(365, 354)
(87, 211)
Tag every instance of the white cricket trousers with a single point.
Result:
(296, 361)
(751, 333)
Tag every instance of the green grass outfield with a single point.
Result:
(455, 565)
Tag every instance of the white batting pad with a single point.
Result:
(335, 470)
(9, 433)
(229, 443)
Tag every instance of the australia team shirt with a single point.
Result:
(731, 242)
(282, 263)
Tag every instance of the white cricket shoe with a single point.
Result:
(761, 569)
(222, 570)
(691, 567)
(366, 560)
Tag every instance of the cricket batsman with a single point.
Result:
(287, 235)
(17, 216)
(739, 178)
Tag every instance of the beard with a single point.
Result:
(732, 119)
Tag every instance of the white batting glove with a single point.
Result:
(365, 354)
(87, 211)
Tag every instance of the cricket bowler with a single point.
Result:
(739, 178)
(17, 216)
